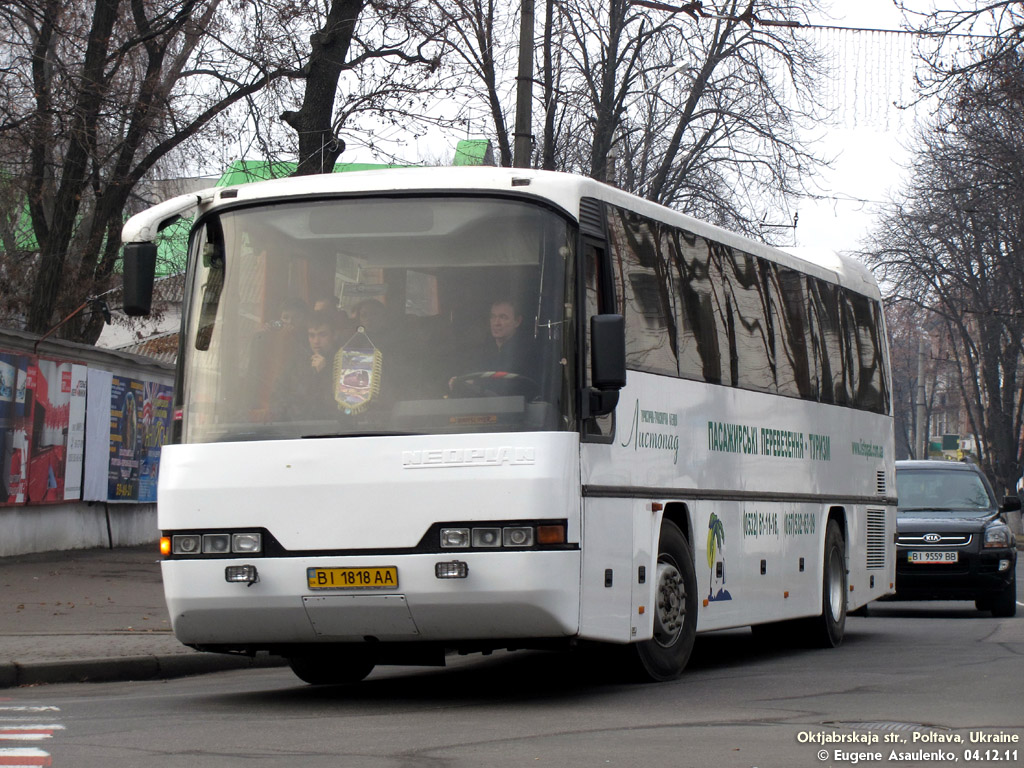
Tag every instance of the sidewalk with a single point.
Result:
(93, 615)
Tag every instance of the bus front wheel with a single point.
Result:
(664, 656)
(334, 666)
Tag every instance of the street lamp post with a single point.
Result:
(523, 145)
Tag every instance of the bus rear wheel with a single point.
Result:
(827, 630)
(338, 665)
(665, 655)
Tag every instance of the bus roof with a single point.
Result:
(561, 189)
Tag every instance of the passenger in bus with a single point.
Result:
(344, 326)
(293, 315)
(371, 316)
(375, 322)
(272, 351)
(324, 300)
(305, 390)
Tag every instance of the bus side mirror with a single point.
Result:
(607, 362)
(139, 271)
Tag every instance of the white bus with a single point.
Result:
(694, 431)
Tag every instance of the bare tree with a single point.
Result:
(386, 47)
(924, 378)
(483, 52)
(97, 93)
(698, 109)
(706, 108)
(954, 247)
(94, 94)
(956, 43)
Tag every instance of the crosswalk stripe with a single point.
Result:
(30, 727)
(21, 723)
(24, 758)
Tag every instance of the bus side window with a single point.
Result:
(645, 290)
(827, 346)
(792, 331)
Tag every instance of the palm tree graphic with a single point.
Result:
(716, 540)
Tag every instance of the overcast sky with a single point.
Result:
(870, 135)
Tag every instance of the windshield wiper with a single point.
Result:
(931, 509)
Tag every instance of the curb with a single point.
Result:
(14, 674)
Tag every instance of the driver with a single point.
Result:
(507, 349)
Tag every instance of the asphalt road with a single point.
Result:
(910, 677)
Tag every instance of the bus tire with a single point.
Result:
(827, 630)
(336, 666)
(665, 655)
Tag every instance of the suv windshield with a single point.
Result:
(937, 490)
(391, 315)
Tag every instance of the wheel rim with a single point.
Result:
(835, 585)
(671, 605)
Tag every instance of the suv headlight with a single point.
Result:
(998, 536)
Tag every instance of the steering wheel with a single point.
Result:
(494, 384)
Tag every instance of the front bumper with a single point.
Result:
(505, 595)
(975, 574)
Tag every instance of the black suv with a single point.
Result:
(953, 542)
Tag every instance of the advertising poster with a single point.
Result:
(42, 416)
(140, 413)
(76, 434)
(15, 427)
(51, 412)
(70, 432)
(97, 435)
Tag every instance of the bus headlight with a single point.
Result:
(246, 543)
(454, 538)
(216, 543)
(521, 536)
(186, 545)
(498, 534)
(487, 537)
(212, 544)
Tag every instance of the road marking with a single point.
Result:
(28, 732)
(14, 729)
(24, 758)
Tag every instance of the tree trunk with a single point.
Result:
(319, 148)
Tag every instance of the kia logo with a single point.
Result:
(932, 538)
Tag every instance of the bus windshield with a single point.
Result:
(382, 315)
